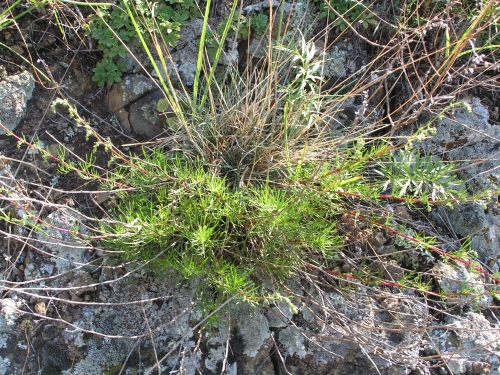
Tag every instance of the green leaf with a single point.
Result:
(180, 16)
(163, 105)
(259, 23)
(171, 38)
(121, 66)
(118, 50)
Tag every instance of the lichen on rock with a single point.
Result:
(15, 91)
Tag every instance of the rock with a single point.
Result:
(130, 89)
(464, 136)
(279, 315)
(41, 308)
(339, 60)
(122, 117)
(376, 242)
(170, 71)
(357, 365)
(55, 357)
(76, 298)
(77, 282)
(15, 91)
(18, 49)
(187, 72)
(251, 340)
(471, 219)
(60, 239)
(266, 5)
(132, 59)
(181, 64)
(341, 323)
(78, 83)
(473, 347)
(144, 117)
(389, 269)
(253, 328)
(467, 219)
(292, 341)
(8, 315)
(457, 279)
(4, 365)
(168, 319)
(133, 102)
(487, 244)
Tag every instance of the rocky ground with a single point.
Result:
(67, 309)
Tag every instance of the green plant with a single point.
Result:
(409, 173)
(108, 71)
(347, 12)
(112, 29)
(260, 22)
(242, 25)
(203, 226)
(254, 190)
(416, 281)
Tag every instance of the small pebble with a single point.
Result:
(76, 298)
(40, 308)
(63, 295)
(17, 49)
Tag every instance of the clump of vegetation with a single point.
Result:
(251, 182)
(185, 216)
(347, 12)
(256, 181)
(113, 29)
(240, 25)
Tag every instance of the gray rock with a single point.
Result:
(253, 329)
(349, 322)
(77, 282)
(466, 137)
(468, 218)
(457, 279)
(4, 365)
(8, 315)
(144, 117)
(339, 61)
(187, 72)
(170, 71)
(473, 347)
(487, 244)
(279, 315)
(293, 342)
(168, 318)
(59, 239)
(133, 59)
(249, 339)
(15, 91)
(266, 5)
(181, 64)
(130, 89)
